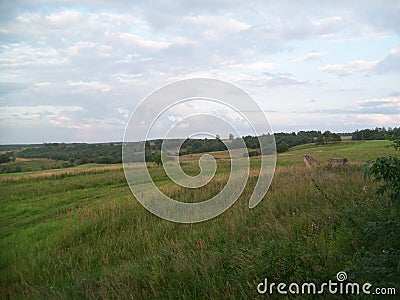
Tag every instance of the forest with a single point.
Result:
(375, 134)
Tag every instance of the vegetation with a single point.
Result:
(384, 231)
(386, 169)
(82, 235)
(110, 153)
(157, 158)
(76, 154)
(6, 157)
(32, 164)
(191, 146)
(376, 134)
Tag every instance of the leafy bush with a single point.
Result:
(282, 147)
(252, 153)
(386, 169)
(157, 158)
(4, 158)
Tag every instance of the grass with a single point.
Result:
(354, 151)
(82, 235)
(31, 164)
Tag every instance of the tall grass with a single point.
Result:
(84, 236)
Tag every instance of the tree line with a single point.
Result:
(379, 133)
(109, 153)
(77, 153)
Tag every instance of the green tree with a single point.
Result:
(282, 147)
(320, 140)
(157, 158)
(4, 158)
(327, 135)
(386, 169)
(335, 137)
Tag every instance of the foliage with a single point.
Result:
(329, 137)
(191, 146)
(12, 147)
(386, 169)
(4, 158)
(157, 158)
(282, 147)
(320, 140)
(77, 154)
(252, 153)
(375, 134)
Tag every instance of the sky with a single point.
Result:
(74, 71)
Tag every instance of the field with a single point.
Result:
(79, 233)
(31, 164)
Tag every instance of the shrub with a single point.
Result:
(386, 169)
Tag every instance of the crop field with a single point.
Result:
(79, 233)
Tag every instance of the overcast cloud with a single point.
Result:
(74, 71)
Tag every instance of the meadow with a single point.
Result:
(79, 233)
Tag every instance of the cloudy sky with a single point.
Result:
(74, 71)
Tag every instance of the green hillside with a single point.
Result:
(79, 233)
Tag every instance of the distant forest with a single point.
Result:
(110, 153)
(375, 134)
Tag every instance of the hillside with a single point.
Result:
(79, 233)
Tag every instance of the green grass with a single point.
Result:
(354, 151)
(31, 164)
(83, 235)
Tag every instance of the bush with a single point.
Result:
(157, 158)
(4, 158)
(252, 153)
(282, 147)
(386, 170)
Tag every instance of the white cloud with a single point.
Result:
(213, 25)
(350, 67)
(259, 66)
(377, 119)
(43, 84)
(388, 105)
(314, 55)
(390, 63)
(135, 40)
(103, 87)
(23, 111)
(123, 111)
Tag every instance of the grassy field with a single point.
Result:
(354, 151)
(31, 164)
(79, 233)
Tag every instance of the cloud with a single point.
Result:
(388, 106)
(24, 112)
(271, 80)
(10, 87)
(350, 67)
(256, 66)
(103, 87)
(104, 58)
(211, 25)
(315, 55)
(388, 64)
(377, 119)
